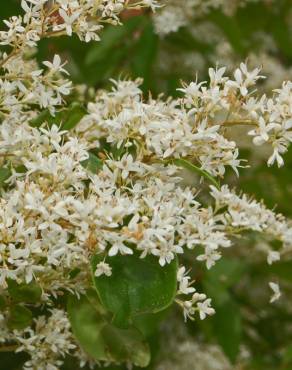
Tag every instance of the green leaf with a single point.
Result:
(227, 272)
(226, 322)
(126, 345)
(72, 116)
(227, 328)
(44, 116)
(93, 163)
(66, 118)
(148, 323)
(111, 36)
(5, 173)
(2, 303)
(30, 293)
(87, 323)
(230, 27)
(20, 317)
(145, 54)
(136, 286)
(282, 269)
(101, 340)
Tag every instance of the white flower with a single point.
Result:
(273, 256)
(69, 20)
(205, 309)
(103, 268)
(119, 247)
(56, 65)
(261, 133)
(276, 157)
(126, 165)
(276, 292)
(210, 256)
(184, 282)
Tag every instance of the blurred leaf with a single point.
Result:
(287, 356)
(281, 35)
(231, 29)
(227, 320)
(127, 345)
(136, 286)
(228, 329)
(72, 116)
(145, 54)
(12, 360)
(66, 118)
(183, 39)
(5, 173)
(20, 317)
(148, 323)
(103, 341)
(226, 271)
(111, 37)
(30, 293)
(2, 303)
(11, 7)
(282, 269)
(87, 323)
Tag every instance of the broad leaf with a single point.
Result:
(136, 286)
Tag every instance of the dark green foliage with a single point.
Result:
(136, 286)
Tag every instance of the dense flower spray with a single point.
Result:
(111, 186)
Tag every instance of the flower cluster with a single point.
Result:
(23, 82)
(56, 211)
(198, 302)
(179, 13)
(218, 49)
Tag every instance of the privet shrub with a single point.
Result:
(108, 199)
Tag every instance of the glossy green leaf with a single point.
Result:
(30, 293)
(136, 286)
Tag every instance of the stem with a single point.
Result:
(191, 167)
(239, 122)
(9, 56)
